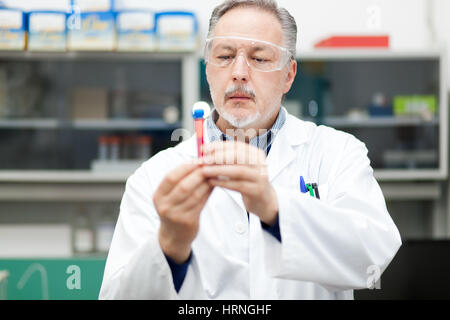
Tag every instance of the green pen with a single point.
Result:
(311, 190)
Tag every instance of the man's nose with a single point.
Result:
(240, 68)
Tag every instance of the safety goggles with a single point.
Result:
(222, 51)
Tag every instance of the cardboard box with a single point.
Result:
(89, 103)
(415, 105)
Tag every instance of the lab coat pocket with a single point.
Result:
(323, 191)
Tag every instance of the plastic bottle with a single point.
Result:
(104, 231)
(114, 142)
(103, 147)
(82, 233)
(4, 110)
(144, 147)
(119, 96)
(127, 147)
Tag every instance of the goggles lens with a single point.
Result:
(260, 55)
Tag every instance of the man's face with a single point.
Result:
(243, 96)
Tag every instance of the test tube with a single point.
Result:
(144, 147)
(115, 148)
(103, 143)
(198, 123)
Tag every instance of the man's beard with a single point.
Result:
(240, 122)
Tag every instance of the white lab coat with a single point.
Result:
(329, 246)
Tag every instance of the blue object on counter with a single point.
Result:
(380, 111)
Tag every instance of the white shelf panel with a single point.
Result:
(151, 124)
(411, 190)
(409, 174)
(61, 176)
(94, 55)
(29, 123)
(77, 176)
(154, 124)
(366, 54)
(378, 122)
(89, 187)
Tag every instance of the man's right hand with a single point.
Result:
(179, 200)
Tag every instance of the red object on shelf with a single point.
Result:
(381, 41)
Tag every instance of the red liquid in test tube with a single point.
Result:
(198, 123)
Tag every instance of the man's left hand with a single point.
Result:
(241, 167)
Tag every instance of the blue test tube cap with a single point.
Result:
(198, 114)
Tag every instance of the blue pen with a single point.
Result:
(303, 188)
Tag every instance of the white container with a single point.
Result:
(104, 232)
(136, 31)
(96, 32)
(83, 235)
(12, 29)
(47, 31)
(176, 31)
(35, 240)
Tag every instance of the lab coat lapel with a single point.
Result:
(283, 152)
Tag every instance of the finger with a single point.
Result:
(186, 186)
(212, 147)
(233, 172)
(174, 176)
(195, 200)
(236, 154)
(193, 196)
(243, 187)
(198, 205)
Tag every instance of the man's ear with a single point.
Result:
(290, 76)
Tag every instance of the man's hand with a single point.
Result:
(179, 200)
(241, 167)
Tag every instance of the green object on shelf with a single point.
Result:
(54, 279)
(414, 105)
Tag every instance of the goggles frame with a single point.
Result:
(286, 55)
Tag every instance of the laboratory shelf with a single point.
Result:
(364, 54)
(88, 176)
(153, 124)
(62, 176)
(129, 124)
(378, 122)
(29, 123)
(93, 55)
(91, 188)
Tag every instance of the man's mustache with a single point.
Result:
(239, 89)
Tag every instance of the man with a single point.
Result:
(237, 224)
